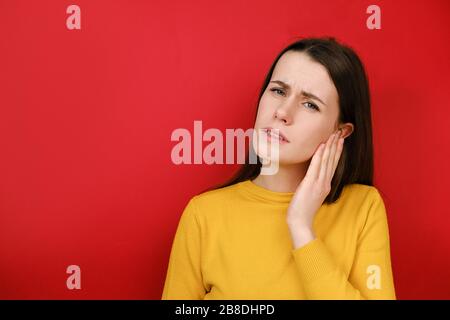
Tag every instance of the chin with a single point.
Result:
(286, 160)
(283, 161)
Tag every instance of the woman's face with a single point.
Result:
(305, 120)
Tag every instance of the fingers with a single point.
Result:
(340, 147)
(314, 166)
(330, 157)
(325, 158)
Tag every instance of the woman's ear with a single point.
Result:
(346, 129)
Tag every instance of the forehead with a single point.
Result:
(300, 72)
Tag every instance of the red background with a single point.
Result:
(86, 116)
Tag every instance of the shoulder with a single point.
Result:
(362, 200)
(364, 194)
(214, 200)
(369, 205)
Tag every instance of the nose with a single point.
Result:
(284, 112)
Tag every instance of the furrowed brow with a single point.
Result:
(304, 93)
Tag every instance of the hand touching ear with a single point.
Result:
(313, 189)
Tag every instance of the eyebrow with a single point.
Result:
(304, 93)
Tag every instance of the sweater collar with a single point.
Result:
(264, 194)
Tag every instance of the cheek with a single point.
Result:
(306, 146)
(309, 138)
(265, 112)
(265, 102)
(315, 129)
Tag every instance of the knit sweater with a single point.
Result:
(234, 243)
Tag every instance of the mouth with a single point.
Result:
(274, 134)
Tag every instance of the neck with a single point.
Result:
(286, 179)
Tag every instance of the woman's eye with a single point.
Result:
(312, 106)
(276, 90)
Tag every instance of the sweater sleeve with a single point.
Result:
(371, 274)
(184, 277)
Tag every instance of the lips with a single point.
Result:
(270, 131)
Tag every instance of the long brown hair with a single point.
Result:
(349, 77)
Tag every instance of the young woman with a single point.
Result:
(317, 228)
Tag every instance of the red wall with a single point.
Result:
(86, 116)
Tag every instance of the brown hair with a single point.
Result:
(349, 77)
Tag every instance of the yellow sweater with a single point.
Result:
(234, 243)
